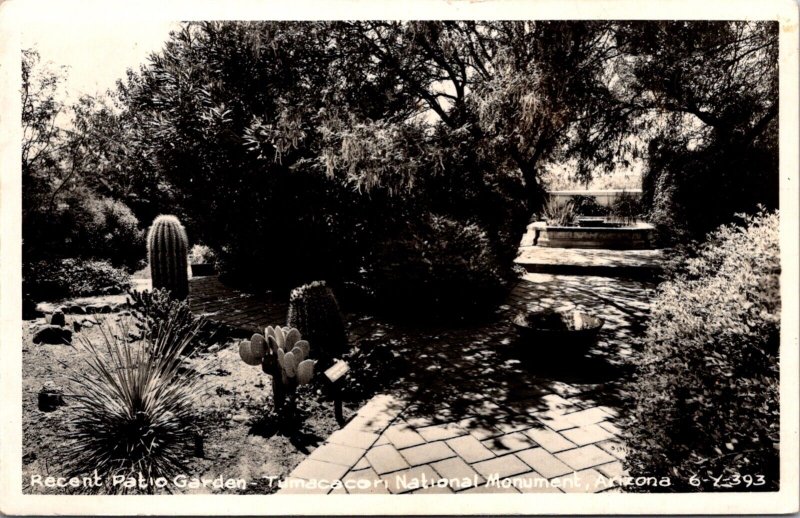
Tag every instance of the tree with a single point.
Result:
(711, 90)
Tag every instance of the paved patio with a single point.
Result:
(474, 413)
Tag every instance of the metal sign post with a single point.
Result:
(334, 374)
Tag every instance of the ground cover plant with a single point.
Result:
(706, 397)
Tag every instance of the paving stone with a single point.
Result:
(441, 432)
(299, 486)
(381, 441)
(613, 412)
(584, 457)
(433, 490)
(427, 453)
(586, 417)
(385, 459)
(585, 481)
(612, 469)
(470, 449)
(503, 467)
(615, 448)
(478, 430)
(338, 454)
(557, 422)
(365, 482)
(511, 427)
(351, 436)
(611, 427)
(587, 434)
(533, 483)
(509, 443)
(483, 488)
(557, 403)
(311, 469)
(458, 471)
(361, 464)
(410, 479)
(374, 423)
(549, 440)
(403, 436)
(544, 463)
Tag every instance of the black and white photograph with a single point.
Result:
(486, 252)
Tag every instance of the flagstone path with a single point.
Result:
(480, 414)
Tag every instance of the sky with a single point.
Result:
(96, 54)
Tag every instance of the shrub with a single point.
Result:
(201, 254)
(151, 309)
(559, 214)
(706, 394)
(627, 207)
(588, 206)
(314, 312)
(438, 267)
(61, 278)
(111, 232)
(134, 410)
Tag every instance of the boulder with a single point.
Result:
(50, 334)
(50, 397)
(74, 309)
(57, 318)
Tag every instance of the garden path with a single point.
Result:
(471, 409)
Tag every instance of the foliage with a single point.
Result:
(151, 309)
(374, 366)
(558, 213)
(61, 278)
(438, 268)
(714, 153)
(627, 207)
(63, 215)
(134, 412)
(167, 252)
(314, 312)
(201, 254)
(706, 395)
(588, 206)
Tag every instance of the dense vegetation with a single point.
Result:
(335, 141)
(706, 397)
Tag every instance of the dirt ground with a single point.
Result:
(236, 397)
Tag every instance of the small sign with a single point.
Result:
(337, 370)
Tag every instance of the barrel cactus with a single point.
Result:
(314, 311)
(283, 354)
(167, 252)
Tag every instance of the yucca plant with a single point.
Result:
(559, 214)
(134, 412)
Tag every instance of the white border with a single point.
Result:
(14, 14)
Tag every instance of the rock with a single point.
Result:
(240, 418)
(57, 318)
(50, 334)
(74, 309)
(50, 397)
(98, 308)
(76, 326)
(88, 322)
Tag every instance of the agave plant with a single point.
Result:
(135, 407)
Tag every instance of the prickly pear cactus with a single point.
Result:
(283, 354)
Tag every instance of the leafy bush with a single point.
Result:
(558, 213)
(134, 412)
(627, 207)
(438, 267)
(151, 309)
(201, 254)
(706, 395)
(588, 206)
(53, 280)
